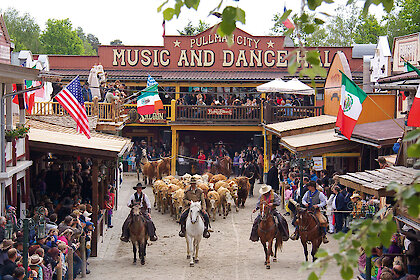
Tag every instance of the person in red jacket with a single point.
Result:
(201, 162)
(109, 204)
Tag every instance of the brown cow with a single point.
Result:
(149, 171)
(207, 177)
(163, 167)
(177, 203)
(214, 200)
(218, 177)
(243, 189)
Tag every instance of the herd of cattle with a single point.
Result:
(221, 194)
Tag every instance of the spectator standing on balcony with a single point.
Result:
(110, 97)
(295, 101)
(289, 111)
(87, 94)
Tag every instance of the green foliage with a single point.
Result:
(368, 30)
(90, 42)
(60, 38)
(190, 30)
(23, 30)
(116, 42)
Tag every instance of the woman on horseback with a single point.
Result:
(272, 200)
(314, 199)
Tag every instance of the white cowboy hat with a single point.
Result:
(86, 214)
(355, 195)
(265, 189)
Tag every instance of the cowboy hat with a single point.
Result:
(265, 189)
(6, 244)
(139, 185)
(355, 195)
(220, 143)
(35, 259)
(193, 180)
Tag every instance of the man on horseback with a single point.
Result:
(272, 199)
(194, 194)
(141, 199)
(314, 199)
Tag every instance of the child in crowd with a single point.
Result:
(287, 195)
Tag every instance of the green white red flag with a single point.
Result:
(149, 101)
(414, 114)
(351, 101)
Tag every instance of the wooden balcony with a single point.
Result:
(275, 114)
(242, 115)
(112, 116)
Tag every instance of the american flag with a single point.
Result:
(71, 99)
(151, 81)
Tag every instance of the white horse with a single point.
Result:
(194, 231)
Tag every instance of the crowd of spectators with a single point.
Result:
(62, 197)
(110, 92)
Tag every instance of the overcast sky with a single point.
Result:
(137, 22)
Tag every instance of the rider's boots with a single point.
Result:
(151, 231)
(206, 233)
(254, 232)
(125, 231)
(324, 237)
(295, 235)
(182, 231)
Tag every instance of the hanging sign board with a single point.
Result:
(318, 163)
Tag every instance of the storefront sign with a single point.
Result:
(318, 163)
(210, 50)
(220, 112)
(406, 48)
(135, 117)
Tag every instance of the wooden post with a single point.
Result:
(173, 112)
(59, 271)
(83, 253)
(95, 110)
(95, 175)
(70, 263)
(177, 91)
(174, 151)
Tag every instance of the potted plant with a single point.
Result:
(11, 134)
(22, 130)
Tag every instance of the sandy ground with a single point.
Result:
(227, 254)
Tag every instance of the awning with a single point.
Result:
(374, 182)
(57, 139)
(300, 126)
(377, 134)
(294, 86)
(315, 143)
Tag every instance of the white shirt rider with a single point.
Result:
(144, 199)
(322, 199)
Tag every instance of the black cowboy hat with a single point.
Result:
(138, 186)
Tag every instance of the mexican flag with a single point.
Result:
(414, 114)
(351, 101)
(149, 101)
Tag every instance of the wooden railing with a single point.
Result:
(273, 114)
(114, 112)
(167, 112)
(218, 114)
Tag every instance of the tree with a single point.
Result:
(23, 30)
(93, 41)
(190, 30)
(116, 42)
(60, 38)
(368, 30)
(87, 39)
(404, 19)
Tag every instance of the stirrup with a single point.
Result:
(294, 236)
(124, 239)
(206, 233)
(153, 238)
(181, 233)
(325, 239)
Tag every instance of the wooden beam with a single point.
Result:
(95, 175)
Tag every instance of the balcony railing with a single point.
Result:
(245, 115)
(274, 114)
(218, 114)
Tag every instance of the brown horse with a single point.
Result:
(138, 233)
(309, 230)
(268, 231)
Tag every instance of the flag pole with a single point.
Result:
(385, 112)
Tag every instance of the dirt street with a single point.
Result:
(227, 254)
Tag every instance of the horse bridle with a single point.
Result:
(198, 216)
